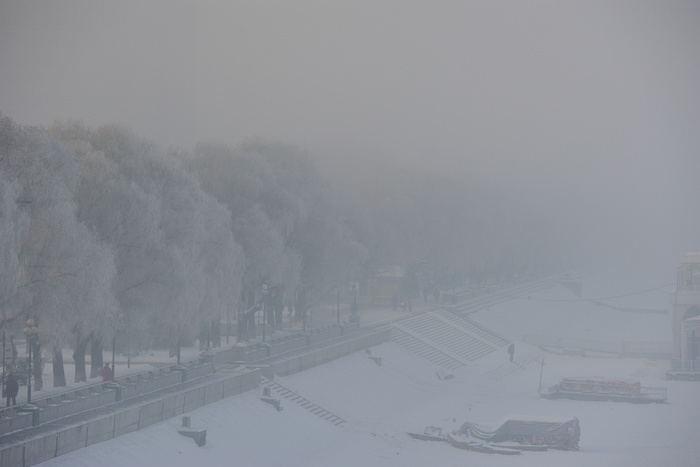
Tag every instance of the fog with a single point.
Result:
(594, 104)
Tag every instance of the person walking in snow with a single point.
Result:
(511, 351)
(11, 389)
(106, 373)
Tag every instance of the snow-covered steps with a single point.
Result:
(448, 340)
(476, 330)
(417, 345)
(303, 402)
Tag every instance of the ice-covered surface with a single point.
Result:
(382, 403)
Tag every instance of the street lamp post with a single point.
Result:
(303, 318)
(264, 321)
(228, 323)
(178, 351)
(264, 308)
(114, 345)
(3, 359)
(353, 308)
(30, 331)
(112, 383)
(241, 320)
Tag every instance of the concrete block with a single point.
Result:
(281, 368)
(268, 372)
(260, 353)
(334, 352)
(225, 356)
(165, 381)
(233, 386)
(12, 455)
(150, 413)
(239, 353)
(15, 421)
(69, 396)
(126, 422)
(100, 430)
(84, 404)
(170, 407)
(251, 379)
(293, 365)
(276, 403)
(214, 392)
(198, 371)
(307, 361)
(129, 391)
(297, 344)
(60, 410)
(70, 439)
(39, 450)
(193, 399)
(199, 437)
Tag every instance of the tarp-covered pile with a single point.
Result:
(555, 434)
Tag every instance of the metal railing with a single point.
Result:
(654, 392)
(692, 366)
(628, 348)
(77, 396)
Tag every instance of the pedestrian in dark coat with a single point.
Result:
(11, 389)
(106, 373)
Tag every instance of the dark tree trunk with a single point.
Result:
(79, 359)
(96, 361)
(278, 315)
(270, 320)
(37, 367)
(216, 333)
(251, 323)
(279, 308)
(59, 374)
(203, 333)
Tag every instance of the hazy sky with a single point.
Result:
(591, 93)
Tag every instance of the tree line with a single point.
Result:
(105, 234)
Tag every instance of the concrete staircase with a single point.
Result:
(303, 402)
(446, 339)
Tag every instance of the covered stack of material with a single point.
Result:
(563, 434)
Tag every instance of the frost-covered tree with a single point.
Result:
(14, 223)
(178, 266)
(68, 272)
(241, 182)
(293, 230)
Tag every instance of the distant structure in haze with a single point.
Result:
(685, 309)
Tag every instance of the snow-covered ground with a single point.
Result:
(381, 403)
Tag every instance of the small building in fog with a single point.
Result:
(685, 309)
(386, 282)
